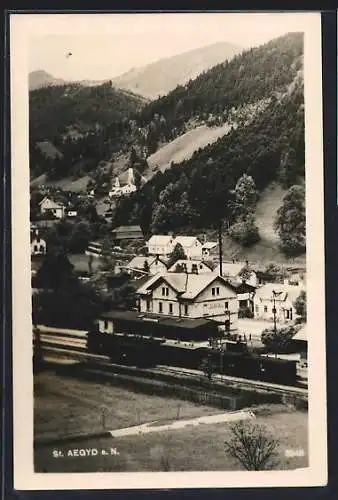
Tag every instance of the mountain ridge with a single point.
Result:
(153, 79)
(156, 79)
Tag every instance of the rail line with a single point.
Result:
(69, 347)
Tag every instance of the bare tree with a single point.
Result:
(252, 445)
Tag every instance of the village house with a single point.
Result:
(210, 249)
(122, 233)
(238, 271)
(296, 279)
(146, 265)
(38, 244)
(48, 206)
(123, 184)
(190, 266)
(71, 214)
(94, 249)
(278, 296)
(165, 244)
(245, 297)
(190, 296)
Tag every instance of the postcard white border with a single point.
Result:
(22, 26)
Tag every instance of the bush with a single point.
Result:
(245, 312)
(252, 445)
(245, 232)
(279, 341)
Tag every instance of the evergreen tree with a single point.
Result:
(245, 197)
(290, 221)
(146, 267)
(300, 305)
(176, 254)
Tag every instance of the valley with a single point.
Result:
(242, 117)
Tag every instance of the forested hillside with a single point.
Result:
(196, 193)
(86, 125)
(248, 78)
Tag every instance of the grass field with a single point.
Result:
(92, 407)
(67, 405)
(184, 146)
(80, 262)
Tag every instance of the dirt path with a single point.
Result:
(156, 426)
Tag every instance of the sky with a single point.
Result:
(107, 45)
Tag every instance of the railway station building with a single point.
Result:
(195, 296)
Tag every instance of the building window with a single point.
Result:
(186, 311)
(170, 308)
(160, 307)
(35, 248)
(226, 305)
(148, 305)
(265, 309)
(105, 324)
(165, 291)
(213, 292)
(41, 248)
(217, 290)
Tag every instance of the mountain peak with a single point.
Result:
(162, 76)
(40, 78)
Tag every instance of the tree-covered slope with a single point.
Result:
(54, 108)
(196, 193)
(247, 78)
(86, 124)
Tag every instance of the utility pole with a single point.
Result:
(274, 316)
(274, 312)
(220, 247)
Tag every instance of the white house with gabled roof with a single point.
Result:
(190, 296)
(47, 205)
(140, 263)
(280, 296)
(238, 271)
(164, 244)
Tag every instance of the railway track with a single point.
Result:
(73, 346)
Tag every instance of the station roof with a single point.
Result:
(136, 316)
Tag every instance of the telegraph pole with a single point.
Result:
(220, 247)
(274, 311)
(274, 316)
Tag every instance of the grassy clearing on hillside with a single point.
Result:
(80, 262)
(66, 184)
(183, 147)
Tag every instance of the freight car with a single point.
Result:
(231, 359)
